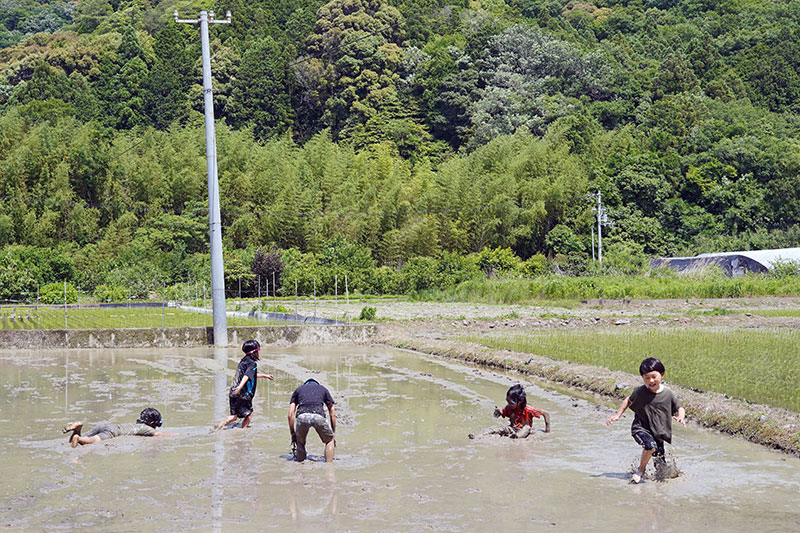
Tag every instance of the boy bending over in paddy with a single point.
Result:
(244, 385)
(145, 426)
(654, 406)
(520, 415)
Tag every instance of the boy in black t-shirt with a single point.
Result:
(306, 411)
(654, 406)
(244, 385)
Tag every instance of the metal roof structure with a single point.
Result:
(734, 264)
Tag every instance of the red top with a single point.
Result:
(521, 418)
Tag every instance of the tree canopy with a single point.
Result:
(407, 128)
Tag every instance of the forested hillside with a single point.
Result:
(377, 134)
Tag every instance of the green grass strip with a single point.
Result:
(757, 366)
(552, 287)
(121, 317)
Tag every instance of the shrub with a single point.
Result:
(110, 293)
(367, 313)
(625, 257)
(562, 240)
(782, 268)
(274, 308)
(536, 265)
(268, 265)
(53, 293)
(494, 261)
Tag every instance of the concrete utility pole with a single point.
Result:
(215, 224)
(599, 229)
(602, 220)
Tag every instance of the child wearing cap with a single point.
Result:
(244, 385)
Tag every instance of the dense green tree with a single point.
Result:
(260, 98)
(166, 89)
(353, 55)
(120, 88)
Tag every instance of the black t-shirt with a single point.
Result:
(653, 412)
(311, 398)
(247, 367)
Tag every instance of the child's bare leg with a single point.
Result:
(329, 449)
(75, 427)
(546, 417)
(225, 422)
(83, 441)
(246, 421)
(503, 431)
(521, 433)
(639, 474)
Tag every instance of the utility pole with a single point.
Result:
(602, 220)
(215, 224)
(599, 229)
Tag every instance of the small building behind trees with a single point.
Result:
(734, 264)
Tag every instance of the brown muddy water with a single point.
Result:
(404, 461)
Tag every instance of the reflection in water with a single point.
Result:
(66, 383)
(302, 508)
(220, 411)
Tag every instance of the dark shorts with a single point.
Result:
(241, 406)
(104, 431)
(649, 442)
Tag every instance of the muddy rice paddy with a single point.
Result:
(404, 461)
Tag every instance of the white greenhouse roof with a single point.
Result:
(765, 257)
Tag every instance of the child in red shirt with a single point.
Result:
(520, 414)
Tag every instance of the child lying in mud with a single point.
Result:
(145, 426)
(654, 406)
(520, 415)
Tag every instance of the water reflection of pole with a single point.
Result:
(220, 394)
(66, 382)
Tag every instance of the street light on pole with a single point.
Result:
(215, 224)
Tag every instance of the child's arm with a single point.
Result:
(681, 417)
(497, 412)
(546, 417)
(625, 403)
(265, 376)
(292, 410)
(238, 389)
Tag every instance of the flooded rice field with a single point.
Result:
(404, 461)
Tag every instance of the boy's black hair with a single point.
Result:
(517, 393)
(151, 417)
(650, 364)
(251, 348)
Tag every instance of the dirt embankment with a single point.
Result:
(769, 426)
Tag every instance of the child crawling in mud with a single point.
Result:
(244, 385)
(519, 414)
(654, 406)
(145, 426)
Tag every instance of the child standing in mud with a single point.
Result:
(244, 385)
(519, 414)
(654, 406)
